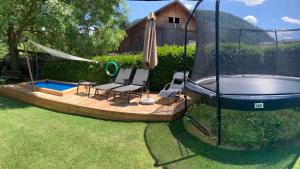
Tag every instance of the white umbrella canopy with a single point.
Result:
(150, 46)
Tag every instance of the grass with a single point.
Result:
(173, 147)
(36, 138)
(32, 137)
(297, 165)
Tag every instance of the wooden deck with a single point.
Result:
(96, 107)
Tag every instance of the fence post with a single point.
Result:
(275, 56)
(240, 35)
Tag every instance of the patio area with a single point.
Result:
(97, 106)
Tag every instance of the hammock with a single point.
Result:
(59, 54)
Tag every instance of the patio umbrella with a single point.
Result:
(150, 47)
(150, 50)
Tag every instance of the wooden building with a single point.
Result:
(170, 23)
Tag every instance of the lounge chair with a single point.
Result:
(174, 89)
(121, 80)
(135, 88)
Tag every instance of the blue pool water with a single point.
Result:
(54, 85)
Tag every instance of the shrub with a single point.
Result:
(250, 129)
(255, 59)
(170, 60)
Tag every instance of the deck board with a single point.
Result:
(96, 106)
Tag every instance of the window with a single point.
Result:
(176, 20)
(171, 20)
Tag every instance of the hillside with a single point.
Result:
(229, 28)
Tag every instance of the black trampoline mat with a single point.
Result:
(253, 85)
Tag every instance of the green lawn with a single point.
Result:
(32, 137)
(297, 165)
(173, 147)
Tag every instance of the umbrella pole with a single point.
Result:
(148, 85)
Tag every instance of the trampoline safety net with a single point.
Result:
(259, 71)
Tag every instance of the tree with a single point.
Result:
(81, 27)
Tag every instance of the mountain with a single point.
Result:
(230, 26)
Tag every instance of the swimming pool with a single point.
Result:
(55, 87)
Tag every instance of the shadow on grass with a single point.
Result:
(169, 143)
(6, 103)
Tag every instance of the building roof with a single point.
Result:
(138, 21)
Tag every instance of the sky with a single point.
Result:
(266, 14)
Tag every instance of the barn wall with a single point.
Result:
(167, 33)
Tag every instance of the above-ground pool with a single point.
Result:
(59, 86)
(55, 87)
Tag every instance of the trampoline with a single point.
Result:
(243, 68)
(248, 92)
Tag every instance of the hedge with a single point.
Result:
(250, 129)
(170, 60)
(252, 59)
